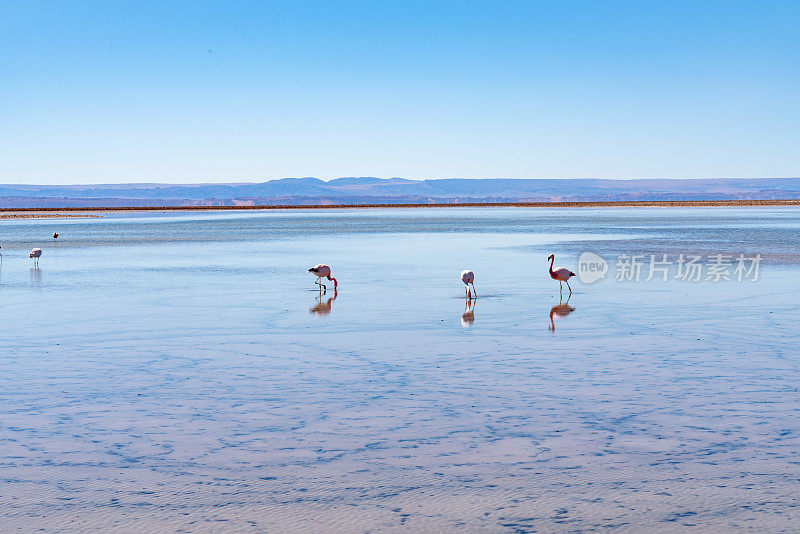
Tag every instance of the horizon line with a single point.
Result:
(157, 183)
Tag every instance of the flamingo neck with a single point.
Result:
(551, 264)
(335, 283)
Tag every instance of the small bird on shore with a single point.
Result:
(36, 254)
(55, 236)
(468, 277)
(323, 271)
(562, 275)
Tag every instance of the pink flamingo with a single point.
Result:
(562, 275)
(323, 271)
(55, 236)
(468, 277)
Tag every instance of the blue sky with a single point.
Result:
(116, 91)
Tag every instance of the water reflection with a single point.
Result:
(468, 317)
(323, 308)
(560, 310)
(36, 276)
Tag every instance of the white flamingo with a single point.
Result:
(468, 277)
(36, 254)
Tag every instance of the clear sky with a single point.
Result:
(231, 91)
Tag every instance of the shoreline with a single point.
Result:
(83, 212)
(53, 215)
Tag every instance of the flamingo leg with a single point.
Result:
(570, 289)
(474, 291)
(321, 285)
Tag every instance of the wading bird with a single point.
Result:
(323, 271)
(36, 254)
(562, 275)
(55, 236)
(468, 277)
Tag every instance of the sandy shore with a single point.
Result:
(31, 213)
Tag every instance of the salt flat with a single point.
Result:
(179, 372)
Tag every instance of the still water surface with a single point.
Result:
(179, 372)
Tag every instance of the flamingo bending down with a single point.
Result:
(36, 254)
(55, 236)
(468, 277)
(562, 275)
(323, 271)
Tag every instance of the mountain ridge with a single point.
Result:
(359, 190)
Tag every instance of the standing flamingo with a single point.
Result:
(562, 275)
(323, 271)
(468, 277)
(55, 236)
(36, 254)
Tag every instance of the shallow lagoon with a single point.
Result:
(179, 372)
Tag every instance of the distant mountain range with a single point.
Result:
(293, 191)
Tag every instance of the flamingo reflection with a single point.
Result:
(323, 308)
(560, 310)
(468, 317)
